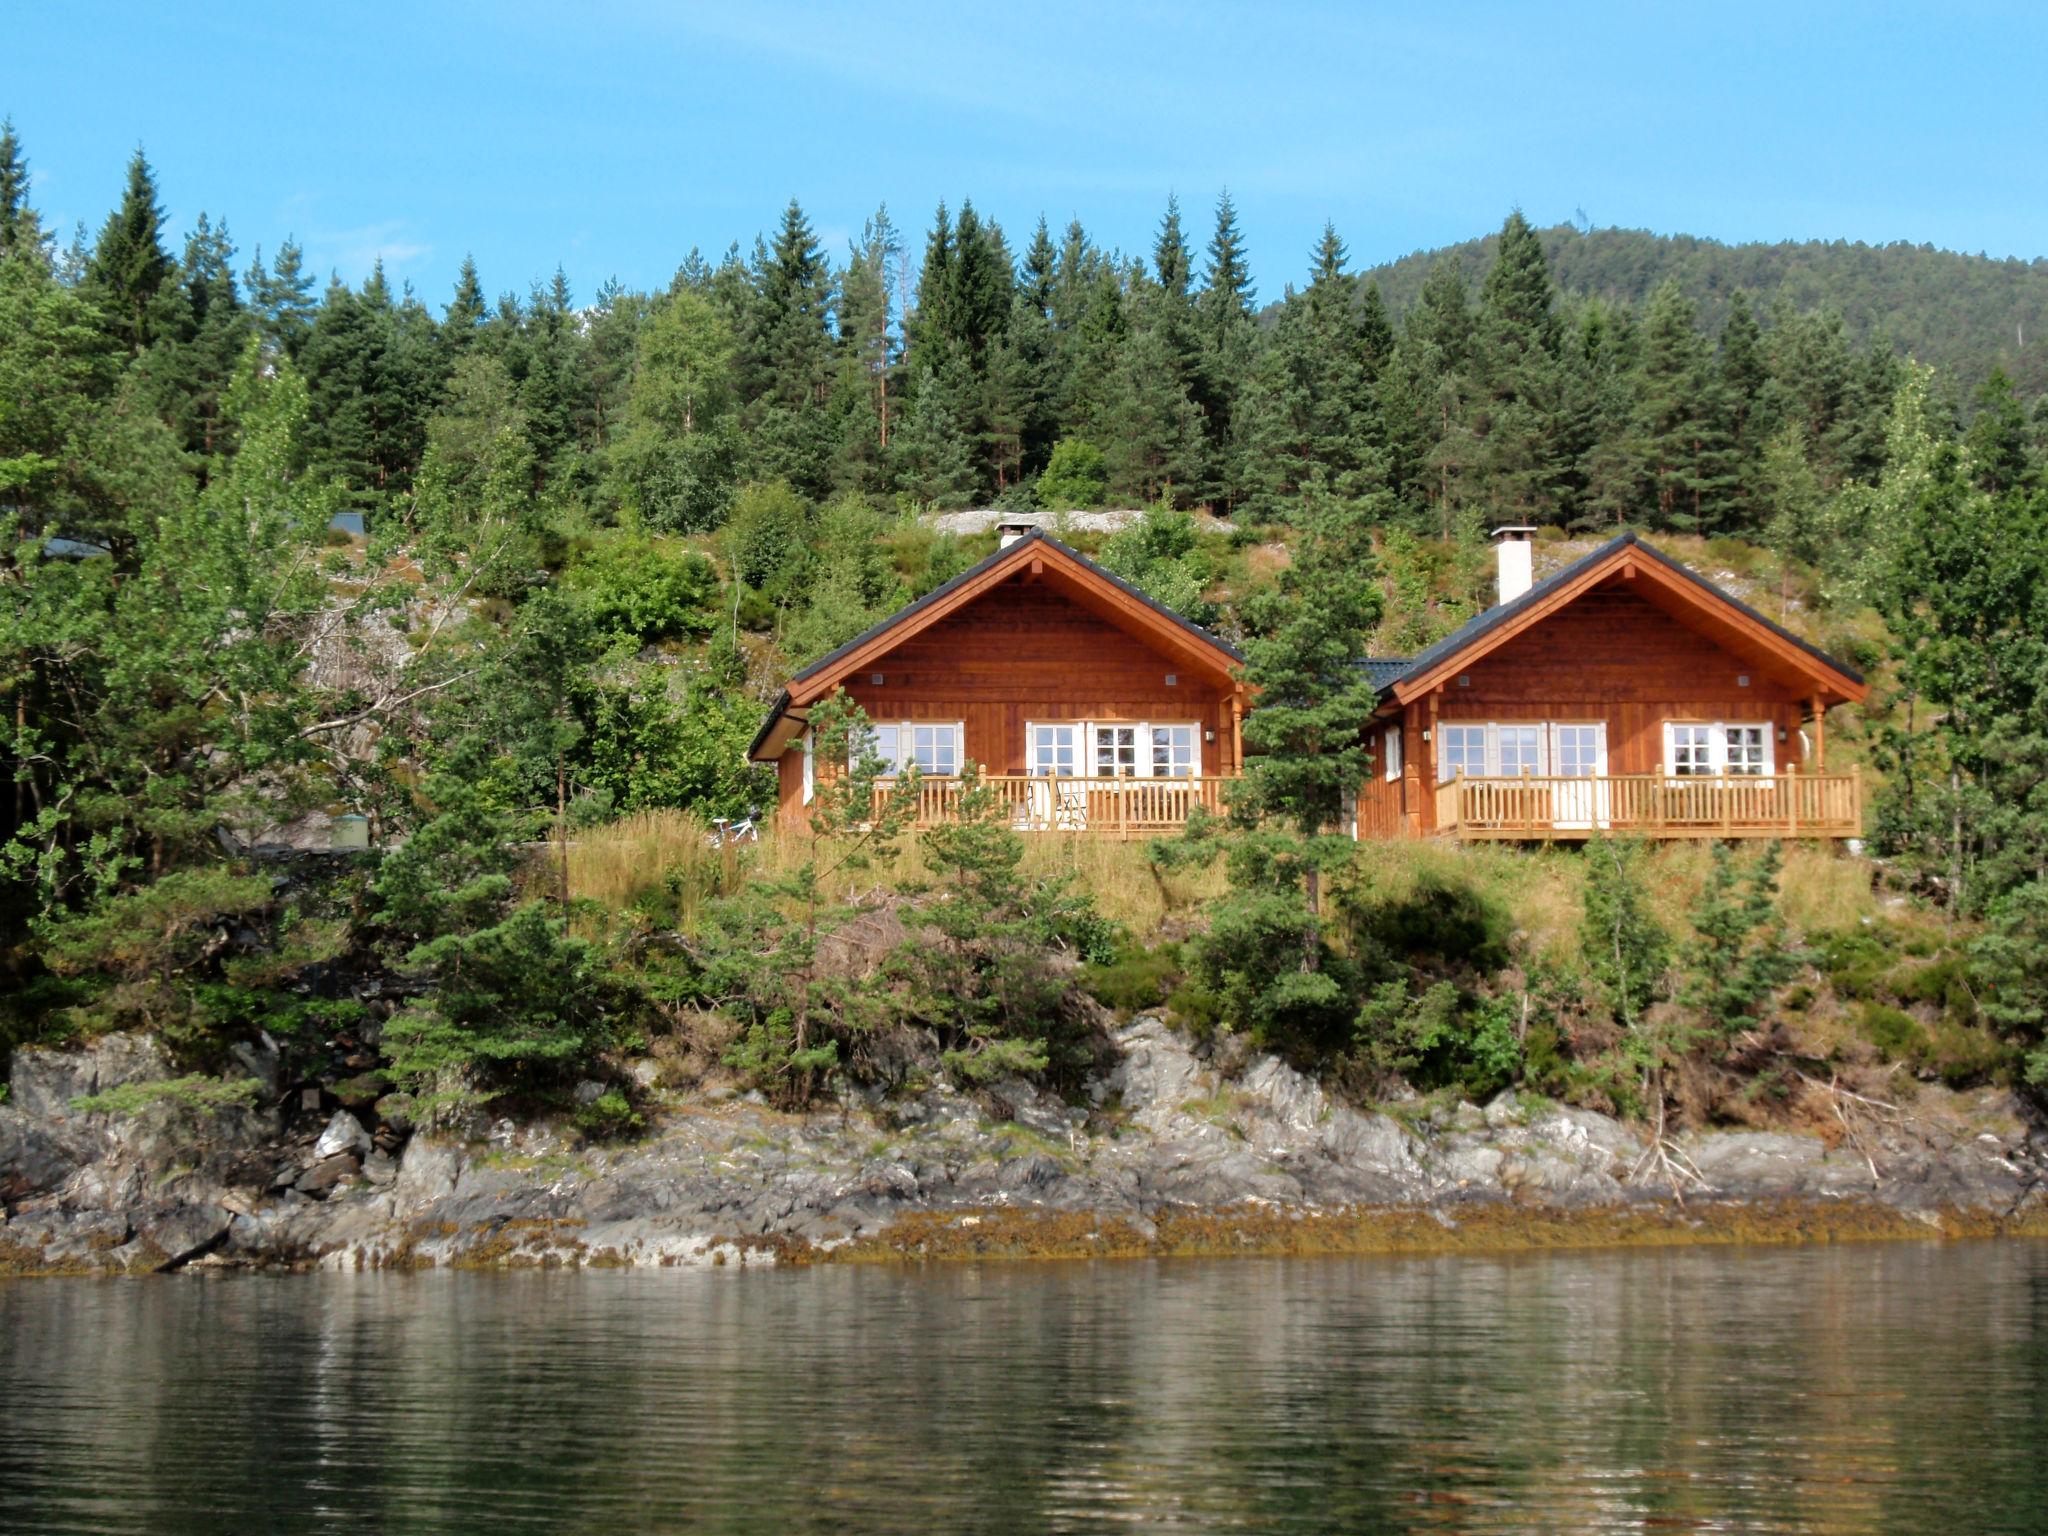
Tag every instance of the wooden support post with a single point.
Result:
(1820, 735)
(1431, 758)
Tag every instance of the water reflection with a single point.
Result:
(1868, 1389)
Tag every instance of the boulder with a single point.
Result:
(328, 1174)
(182, 1233)
(344, 1134)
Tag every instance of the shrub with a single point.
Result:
(1075, 476)
(647, 589)
(1134, 978)
(1896, 1034)
(609, 1116)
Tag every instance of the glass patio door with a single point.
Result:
(1578, 757)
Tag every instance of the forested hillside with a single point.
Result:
(601, 526)
(1963, 314)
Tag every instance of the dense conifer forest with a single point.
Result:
(599, 525)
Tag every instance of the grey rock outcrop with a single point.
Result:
(1166, 1129)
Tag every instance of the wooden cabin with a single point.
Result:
(1622, 693)
(1089, 706)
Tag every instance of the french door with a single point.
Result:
(1578, 753)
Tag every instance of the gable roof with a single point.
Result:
(824, 674)
(1405, 680)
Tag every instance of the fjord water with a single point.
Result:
(1851, 1389)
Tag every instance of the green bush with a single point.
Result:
(1451, 924)
(1896, 1034)
(1442, 1039)
(647, 589)
(1076, 476)
(1133, 978)
(609, 1117)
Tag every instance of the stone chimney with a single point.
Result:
(1514, 554)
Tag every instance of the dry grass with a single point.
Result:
(1125, 884)
(656, 852)
(649, 852)
(668, 854)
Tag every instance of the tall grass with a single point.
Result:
(653, 856)
(664, 860)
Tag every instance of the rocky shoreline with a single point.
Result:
(1171, 1153)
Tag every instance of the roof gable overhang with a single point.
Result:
(1037, 557)
(1656, 578)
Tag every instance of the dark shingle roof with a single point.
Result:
(1478, 628)
(1381, 671)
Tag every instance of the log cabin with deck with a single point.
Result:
(1622, 693)
(1087, 705)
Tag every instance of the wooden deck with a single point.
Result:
(1108, 807)
(1653, 805)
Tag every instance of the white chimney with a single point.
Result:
(1515, 554)
(1012, 526)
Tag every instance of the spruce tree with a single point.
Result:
(1519, 383)
(281, 296)
(20, 229)
(467, 310)
(129, 267)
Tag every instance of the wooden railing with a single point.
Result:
(1653, 805)
(1113, 807)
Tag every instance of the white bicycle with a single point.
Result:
(729, 832)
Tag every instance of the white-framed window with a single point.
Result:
(1112, 749)
(1053, 751)
(1116, 751)
(1714, 747)
(1513, 749)
(810, 768)
(934, 746)
(1390, 754)
(1176, 751)
(1518, 750)
(1461, 749)
(1578, 751)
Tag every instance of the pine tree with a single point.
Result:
(129, 267)
(1228, 341)
(934, 459)
(203, 345)
(1311, 413)
(20, 229)
(1518, 383)
(867, 344)
(281, 297)
(1681, 417)
(467, 310)
(1423, 393)
(1996, 443)
(1265, 958)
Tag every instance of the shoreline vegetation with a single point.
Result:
(371, 679)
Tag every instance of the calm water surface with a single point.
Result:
(1835, 1390)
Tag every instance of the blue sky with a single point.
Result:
(612, 137)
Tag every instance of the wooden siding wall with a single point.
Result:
(1026, 653)
(1609, 657)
